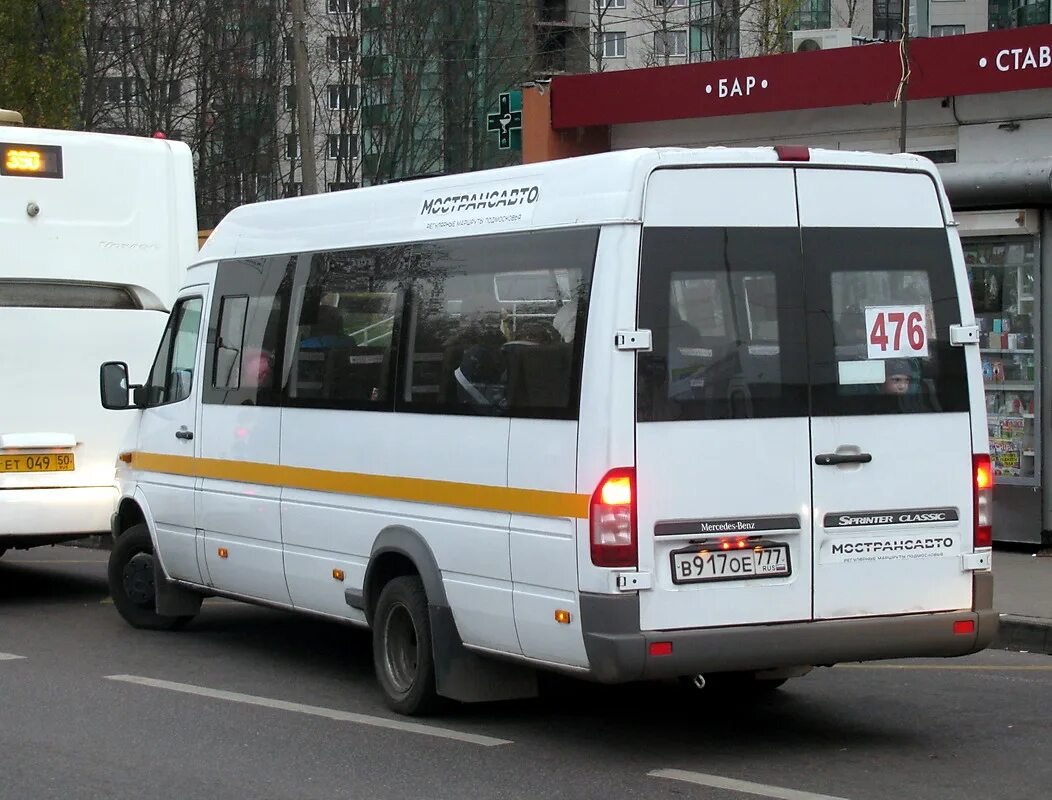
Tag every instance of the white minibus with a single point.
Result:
(97, 231)
(710, 414)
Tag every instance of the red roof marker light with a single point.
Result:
(792, 152)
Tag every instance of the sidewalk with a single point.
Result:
(1023, 596)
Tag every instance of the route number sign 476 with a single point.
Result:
(896, 332)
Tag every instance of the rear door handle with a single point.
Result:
(832, 459)
(184, 435)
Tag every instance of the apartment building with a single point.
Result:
(630, 34)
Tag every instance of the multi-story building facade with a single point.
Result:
(397, 88)
(629, 34)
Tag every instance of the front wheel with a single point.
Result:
(131, 581)
(402, 655)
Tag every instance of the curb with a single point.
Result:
(1030, 634)
(103, 541)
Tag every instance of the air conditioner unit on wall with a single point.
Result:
(806, 41)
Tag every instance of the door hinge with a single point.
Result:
(631, 581)
(961, 335)
(633, 340)
(976, 561)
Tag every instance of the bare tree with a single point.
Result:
(604, 14)
(847, 13)
(767, 25)
(336, 77)
(236, 143)
(142, 63)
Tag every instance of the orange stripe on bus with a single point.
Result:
(414, 490)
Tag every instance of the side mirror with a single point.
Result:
(113, 384)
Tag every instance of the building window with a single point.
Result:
(116, 90)
(670, 43)
(947, 30)
(112, 38)
(670, 3)
(612, 44)
(290, 98)
(615, 3)
(339, 186)
(342, 145)
(715, 33)
(292, 146)
(813, 15)
(292, 189)
(341, 97)
(947, 156)
(1030, 12)
(338, 6)
(887, 19)
(338, 48)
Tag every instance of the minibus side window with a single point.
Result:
(230, 344)
(246, 333)
(345, 343)
(496, 324)
(171, 378)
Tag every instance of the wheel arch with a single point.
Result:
(129, 513)
(398, 551)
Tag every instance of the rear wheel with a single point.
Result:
(131, 582)
(2, 551)
(402, 655)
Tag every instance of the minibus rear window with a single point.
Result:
(880, 305)
(725, 310)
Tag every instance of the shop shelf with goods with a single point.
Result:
(1003, 273)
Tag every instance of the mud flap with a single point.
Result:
(173, 600)
(469, 678)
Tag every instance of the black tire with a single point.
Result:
(131, 582)
(2, 551)
(402, 654)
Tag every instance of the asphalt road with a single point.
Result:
(254, 703)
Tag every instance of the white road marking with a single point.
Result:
(734, 785)
(9, 657)
(317, 711)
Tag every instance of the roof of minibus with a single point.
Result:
(588, 190)
(122, 212)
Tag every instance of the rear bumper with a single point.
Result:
(29, 515)
(618, 650)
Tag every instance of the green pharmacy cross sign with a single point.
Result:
(507, 121)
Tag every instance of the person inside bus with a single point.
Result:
(898, 377)
(327, 331)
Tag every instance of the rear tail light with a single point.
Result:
(983, 491)
(612, 518)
